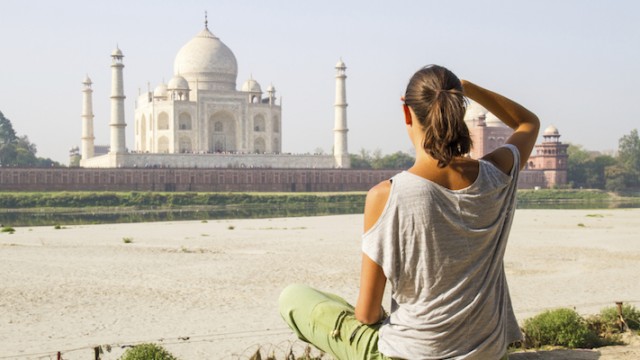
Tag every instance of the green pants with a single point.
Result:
(328, 322)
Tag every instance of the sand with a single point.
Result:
(217, 282)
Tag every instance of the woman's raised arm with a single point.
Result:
(524, 123)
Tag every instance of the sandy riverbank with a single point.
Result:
(217, 282)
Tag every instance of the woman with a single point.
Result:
(437, 232)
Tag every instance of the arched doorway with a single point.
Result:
(222, 132)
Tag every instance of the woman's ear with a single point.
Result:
(407, 114)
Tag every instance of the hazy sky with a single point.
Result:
(574, 63)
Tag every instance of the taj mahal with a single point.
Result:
(200, 120)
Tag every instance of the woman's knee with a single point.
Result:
(290, 296)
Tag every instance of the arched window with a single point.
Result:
(184, 121)
(218, 146)
(163, 144)
(185, 144)
(222, 132)
(143, 134)
(259, 146)
(258, 123)
(163, 121)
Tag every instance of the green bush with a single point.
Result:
(630, 314)
(147, 352)
(7, 229)
(560, 327)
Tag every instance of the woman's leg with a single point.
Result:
(328, 322)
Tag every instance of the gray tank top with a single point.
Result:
(442, 251)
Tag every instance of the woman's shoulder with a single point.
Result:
(375, 203)
(379, 194)
(504, 158)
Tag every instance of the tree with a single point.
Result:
(397, 160)
(576, 174)
(18, 150)
(367, 160)
(7, 141)
(629, 151)
(624, 175)
(586, 169)
(359, 162)
(362, 160)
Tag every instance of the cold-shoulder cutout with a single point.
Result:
(375, 203)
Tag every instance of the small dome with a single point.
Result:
(340, 64)
(160, 91)
(207, 60)
(271, 88)
(87, 80)
(117, 52)
(178, 83)
(251, 86)
(551, 131)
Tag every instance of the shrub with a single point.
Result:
(630, 314)
(8, 229)
(560, 327)
(127, 240)
(147, 352)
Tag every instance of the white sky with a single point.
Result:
(575, 63)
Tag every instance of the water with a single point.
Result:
(50, 217)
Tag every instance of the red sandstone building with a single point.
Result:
(547, 166)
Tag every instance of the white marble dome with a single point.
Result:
(551, 131)
(178, 83)
(207, 60)
(117, 52)
(160, 91)
(251, 86)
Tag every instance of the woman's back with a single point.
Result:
(437, 233)
(442, 252)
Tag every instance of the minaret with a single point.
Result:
(340, 152)
(87, 119)
(118, 144)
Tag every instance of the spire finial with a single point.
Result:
(206, 21)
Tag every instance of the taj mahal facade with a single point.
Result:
(200, 120)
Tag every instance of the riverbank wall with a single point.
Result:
(209, 179)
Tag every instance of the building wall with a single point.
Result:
(240, 133)
(203, 160)
(165, 179)
(486, 139)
